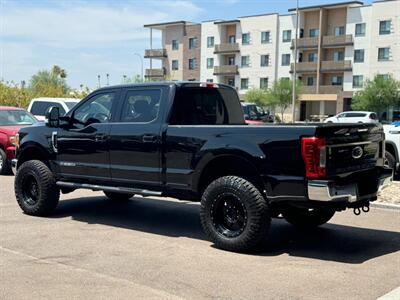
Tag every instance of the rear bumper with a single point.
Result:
(328, 191)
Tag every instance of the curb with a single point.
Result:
(385, 205)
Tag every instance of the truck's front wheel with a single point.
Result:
(234, 214)
(35, 188)
(307, 218)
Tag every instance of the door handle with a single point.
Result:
(147, 138)
(100, 137)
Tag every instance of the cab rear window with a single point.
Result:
(39, 108)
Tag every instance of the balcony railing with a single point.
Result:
(334, 41)
(155, 53)
(308, 42)
(226, 48)
(226, 70)
(323, 89)
(342, 65)
(155, 73)
(304, 67)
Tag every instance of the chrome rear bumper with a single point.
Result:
(323, 190)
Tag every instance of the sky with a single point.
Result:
(95, 37)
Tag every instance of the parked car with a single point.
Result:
(353, 117)
(253, 112)
(189, 140)
(39, 106)
(11, 120)
(392, 145)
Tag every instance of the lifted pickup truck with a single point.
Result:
(189, 140)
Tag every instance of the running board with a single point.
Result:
(95, 187)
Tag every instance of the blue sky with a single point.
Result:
(99, 37)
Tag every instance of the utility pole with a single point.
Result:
(108, 81)
(294, 65)
(124, 76)
(98, 79)
(141, 70)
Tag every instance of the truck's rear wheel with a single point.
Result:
(307, 218)
(35, 189)
(118, 196)
(234, 214)
(390, 161)
(5, 167)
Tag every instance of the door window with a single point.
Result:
(141, 106)
(98, 109)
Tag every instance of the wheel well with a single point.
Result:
(229, 165)
(390, 148)
(32, 153)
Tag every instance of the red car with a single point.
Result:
(11, 120)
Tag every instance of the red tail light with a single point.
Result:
(313, 151)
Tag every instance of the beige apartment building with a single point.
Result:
(339, 46)
(179, 56)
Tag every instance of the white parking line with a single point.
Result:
(392, 295)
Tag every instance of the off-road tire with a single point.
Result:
(390, 161)
(256, 211)
(304, 218)
(118, 196)
(5, 168)
(48, 194)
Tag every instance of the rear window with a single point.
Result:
(373, 116)
(71, 104)
(206, 106)
(39, 108)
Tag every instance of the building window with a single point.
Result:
(175, 65)
(383, 54)
(359, 55)
(286, 36)
(358, 81)
(193, 43)
(232, 39)
(265, 36)
(264, 83)
(312, 57)
(310, 81)
(338, 55)
(245, 61)
(175, 45)
(210, 80)
(337, 80)
(314, 32)
(210, 63)
(383, 76)
(244, 83)
(384, 27)
(339, 30)
(210, 41)
(231, 81)
(246, 39)
(360, 29)
(231, 60)
(192, 63)
(285, 59)
(264, 60)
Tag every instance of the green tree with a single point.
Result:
(258, 96)
(377, 94)
(49, 83)
(281, 94)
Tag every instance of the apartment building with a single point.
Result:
(179, 56)
(339, 46)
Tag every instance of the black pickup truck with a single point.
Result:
(189, 140)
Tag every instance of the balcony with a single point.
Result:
(226, 70)
(337, 41)
(336, 66)
(153, 73)
(155, 53)
(304, 43)
(304, 67)
(323, 89)
(226, 48)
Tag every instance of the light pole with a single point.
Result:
(294, 65)
(98, 79)
(141, 61)
(108, 81)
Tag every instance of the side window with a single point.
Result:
(95, 110)
(141, 106)
(39, 108)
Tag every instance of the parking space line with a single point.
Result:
(392, 295)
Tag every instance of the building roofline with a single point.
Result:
(259, 15)
(166, 24)
(226, 22)
(328, 5)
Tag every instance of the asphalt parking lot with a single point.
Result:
(151, 248)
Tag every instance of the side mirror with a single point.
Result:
(52, 117)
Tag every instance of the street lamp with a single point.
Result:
(98, 79)
(141, 61)
(294, 65)
(108, 81)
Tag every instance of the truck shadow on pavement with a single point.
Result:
(331, 242)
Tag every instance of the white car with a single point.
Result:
(392, 145)
(353, 117)
(39, 106)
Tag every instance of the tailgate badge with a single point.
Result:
(357, 152)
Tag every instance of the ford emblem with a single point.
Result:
(357, 152)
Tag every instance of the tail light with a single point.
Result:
(313, 150)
